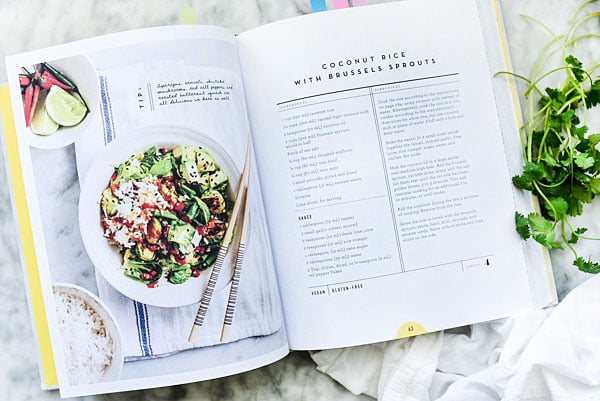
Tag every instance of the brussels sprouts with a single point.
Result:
(153, 231)
(214, 200)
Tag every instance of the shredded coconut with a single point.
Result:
(133, 214)
(87, 347)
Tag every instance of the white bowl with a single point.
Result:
(106, 257)
(81, 72)
(113, 371)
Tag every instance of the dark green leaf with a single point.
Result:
(567, 115)
(532, 172)
(536, 171)
(592, 96)
(550, 160)
(575, 207)
(523, 182)
(573, 61)
(547, 240)
(595, 186)
(559, 208)
(575, 235)
(522, 225)
(587, 266)
(576, 69)
(594, 139)
(556, 95)
(551, 140)
(579, 132)
(581, 193)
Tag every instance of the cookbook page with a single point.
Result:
(138, 174)
(390, 201)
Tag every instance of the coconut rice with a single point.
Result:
(87, 346)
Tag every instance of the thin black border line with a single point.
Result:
(377, 93)
(405, 271)
(368, 86)
(150, 97)
(387, 178)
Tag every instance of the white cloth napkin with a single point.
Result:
(153, 331)
(551, 354)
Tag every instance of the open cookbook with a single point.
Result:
(194, 203)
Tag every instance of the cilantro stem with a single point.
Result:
(565, 240)
(578, 23)
(578, 9)
(562, 164)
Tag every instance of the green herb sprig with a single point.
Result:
(562, 162)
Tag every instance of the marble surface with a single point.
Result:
(31, 24)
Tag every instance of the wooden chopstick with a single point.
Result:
(216, 270)
(237, 270)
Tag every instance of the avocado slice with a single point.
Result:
(217, 179)
(189, 171)
(130, 169)
(205, 161)
(109, 202)
(185, 153)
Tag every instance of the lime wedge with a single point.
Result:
(64, 108)
(41, 123)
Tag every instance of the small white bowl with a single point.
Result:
(81, 72)
(113, 371)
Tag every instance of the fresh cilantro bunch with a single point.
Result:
(562, 162)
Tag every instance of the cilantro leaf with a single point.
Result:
(547, 240)
(595, 185)
(575, 207)
(523, 182)
(584, 160)
(555, 97)
(579, 132)
(532, 172)
(587, 266)
(575, 235)
(594, 138)
(592, 96)
(522, 225)
(567, 115)
(581, 193)
(550, 160)
(559, 208)
(575, 66)
(539, 223)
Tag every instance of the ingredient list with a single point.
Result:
(392, 154)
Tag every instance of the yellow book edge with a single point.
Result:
(516, 107)
(32, 278)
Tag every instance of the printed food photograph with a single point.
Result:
(91, 341)
(166, 211)
(50, 100)
(58, 98)
(153, 213)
